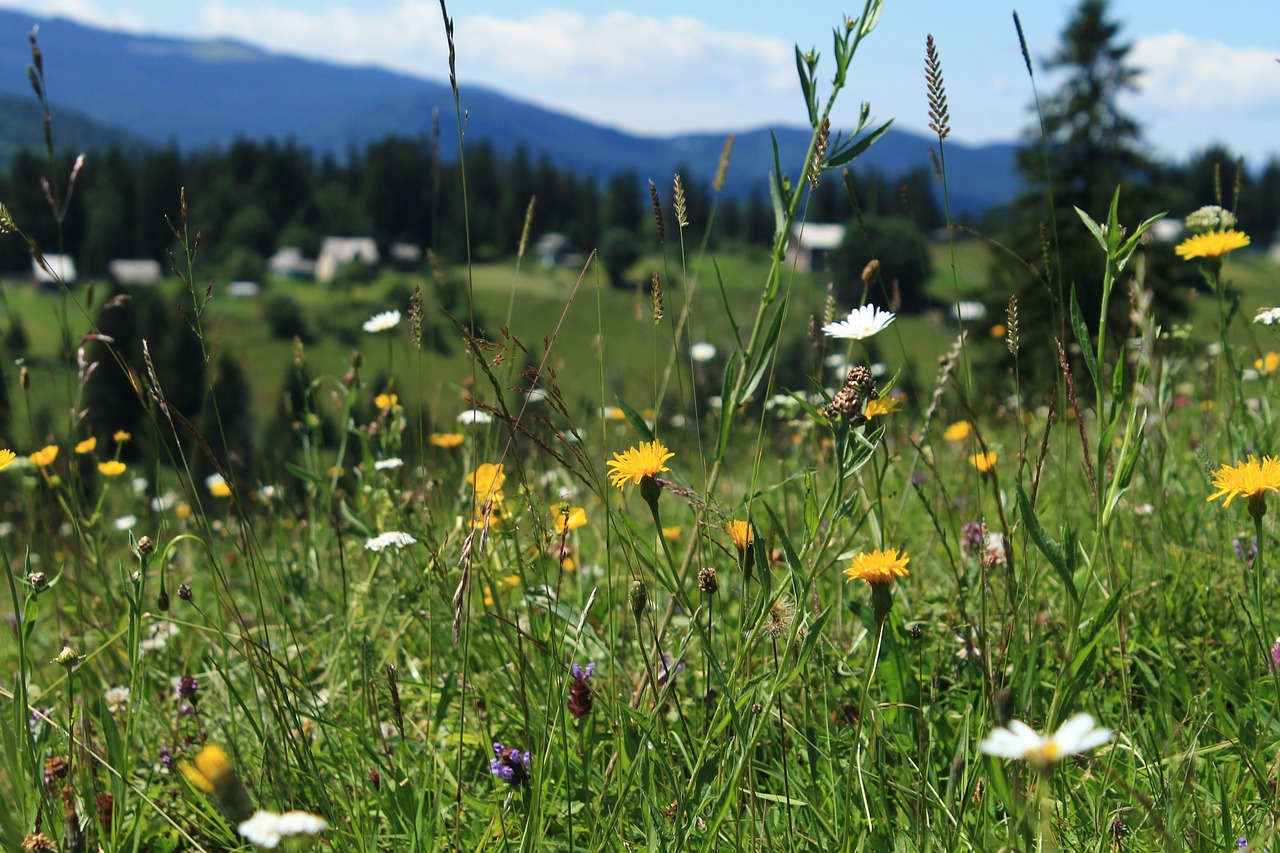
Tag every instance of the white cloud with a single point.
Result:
(1181, 73)
(83, 11)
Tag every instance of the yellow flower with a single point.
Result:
(741, 534)
(1251, 479)
(44, 456)
(878, 568)
(212, 772)
(958, 431)
(184, 509)
(998, 330)
(447, 440)
(385, 401)
(638, 462)
(613, 413)
(570, 518)
(671, 534)
(113, 468)
(487, 481)
(1212, 245)
(6, 458)
(984, 462)
(488, 597)
(217, 486)
(1268, 363)
(121, 436)
(882, 406)
(87, 445)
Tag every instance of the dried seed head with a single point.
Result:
(657, 212)
(939, 118)
(707, 580)
(870, 272)
(146, 545)
(37, 581)
(859, 386)
(723, 167)
(819, 153)
(655, 296)
(682, 217)
(415, 317)
(528, 223)
(184, 591)
(778, 624)
(829, 306)
(24, 378)
(38, 842)
(1011, 325)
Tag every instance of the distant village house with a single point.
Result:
(337, 252)
(55, 268)
(811, 244)
(135, 271)
(289, 262)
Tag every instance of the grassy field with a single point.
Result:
(877, 590)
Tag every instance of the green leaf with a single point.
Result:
(855, 148)
(763, 357)
(1081, 330)
(731, 369)
(637, 422)
(728, 309)
(1058, 557)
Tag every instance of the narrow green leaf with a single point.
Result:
(1081, 330)
(855, 148)
(1052, 550)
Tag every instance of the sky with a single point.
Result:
(1210, 75)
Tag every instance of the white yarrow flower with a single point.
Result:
(116, 698)
(386, 540)
(1077, 735)
(474, 416)
(126, 522)
(382, 322)
(388, 464)
(1267, 316)
(702, 351)
(861, 323)
(267, 829)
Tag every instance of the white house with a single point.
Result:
(811, 243)
(337, 252)
(135, 270)
(289, 262)
(56, 268)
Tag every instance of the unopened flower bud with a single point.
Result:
(638, 596)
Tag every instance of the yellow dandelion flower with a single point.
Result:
(984, 462)
(44, 456)
(1212, 245)
(121, 436)
(447, 440)
(671, 534)
(636, 463)
(1251, 479)
(878, 568)
(6, 458)
(570, 518)
(488, 597)
(882, 406)
(184, 509)
(958, 431)
(741, 534)
(1269, 363)
(87, 445)
(212, 772)
(114, 468)
(385, 401)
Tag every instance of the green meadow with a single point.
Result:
(539, 562)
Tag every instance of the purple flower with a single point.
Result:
(665, 670)
(1275, 655)
(1253, 551)
(580, 698)
(510, 765)
(186, 687)
(973, 537)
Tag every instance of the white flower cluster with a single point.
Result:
(386, 540)
(1211, 218)
(267, 829)
(1267, 316)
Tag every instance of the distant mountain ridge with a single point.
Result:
(209, 93)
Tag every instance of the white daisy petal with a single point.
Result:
(861, 323)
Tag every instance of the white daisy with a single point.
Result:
(1267, 316)
(861, 323)
(382, 322)
(1077, 735)
(386, 540)
(702, 351)
(387, 464)
(267, 829)
(126, 522)
(474, 416)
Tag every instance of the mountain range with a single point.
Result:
(108, 87)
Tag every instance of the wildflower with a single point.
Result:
(1269, 363)
(958, 431)
(487, 481)
(972, 536)
(68, 658)
(882, 406)
(1253, 551)
(613, 413)
(781, 614)
(87, 445)
(268, 829)
(998, 331)
(447, 440)
(859, 385)
(159, 637)
(1275, 655)
(126, 522)
(984, 462)
(1212, 245)
(386, 540)
(385, 402)
(671, 533)
(580, 698)
(638, 463)
(388, 464)
(185, 687)
(861, 323)
(1267, 316)
(510, 765)
(702, 352)
(570, 518)
(878, 568)
(116, 697)
(45, 456)
(666, 670)
(472, 417)
(38, 842)
(382, 322)
(1211, 217)
(707, 580)
(1251, 479)
(6, 457)
(742, 535)
(113, 468)
(217, 486)
(1074, 737)
(120, 436)
(212, 772)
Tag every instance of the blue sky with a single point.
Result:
(664, 67)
